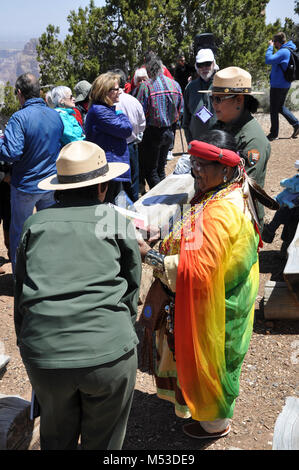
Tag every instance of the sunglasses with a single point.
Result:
(219, 99)
(204, 64)
(114, 89)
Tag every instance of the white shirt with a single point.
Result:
(133, 109)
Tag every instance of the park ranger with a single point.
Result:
(233, 103)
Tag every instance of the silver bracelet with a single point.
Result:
(155, 259)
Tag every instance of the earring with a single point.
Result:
(224, 179)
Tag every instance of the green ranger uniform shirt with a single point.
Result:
(253, 146)
(78, 274)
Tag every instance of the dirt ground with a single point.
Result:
(270, 372)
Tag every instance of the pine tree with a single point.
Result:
(90, 42)
(118, 34)
(11, 104)
(51, 54)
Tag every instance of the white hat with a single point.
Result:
(81, 164)
(204, 55)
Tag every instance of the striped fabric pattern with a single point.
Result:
(162, 101)
(217, 283)
(215, 293)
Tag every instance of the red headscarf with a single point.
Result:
(211, 152)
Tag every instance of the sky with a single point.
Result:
(22, 20)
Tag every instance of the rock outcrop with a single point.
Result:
(14, 62)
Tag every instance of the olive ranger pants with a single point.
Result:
(91, 402)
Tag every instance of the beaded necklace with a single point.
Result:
(171, 244)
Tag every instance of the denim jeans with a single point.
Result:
(277, 99)
(132, 189)
(22, 205)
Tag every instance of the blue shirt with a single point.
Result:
(109, 129)
(279, 62)
(32, 144)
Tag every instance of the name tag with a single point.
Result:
(204, 114)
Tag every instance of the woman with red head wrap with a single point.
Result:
(209, 262)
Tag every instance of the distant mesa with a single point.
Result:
(15, 62)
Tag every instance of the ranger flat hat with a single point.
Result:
(232, 80)
(81, 164)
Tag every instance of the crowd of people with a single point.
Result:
(77, 262)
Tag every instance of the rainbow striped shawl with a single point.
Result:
(217, 283)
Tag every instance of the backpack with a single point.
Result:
(292, 71)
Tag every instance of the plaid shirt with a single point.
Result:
(162, 101)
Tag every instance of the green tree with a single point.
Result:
(90, 42)
(163, 26)
(11, 104)
(240, 32)
(291, 30)
(170, 26)
(55, 67)
(119, 33)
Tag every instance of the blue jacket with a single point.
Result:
(32, 144)
(279, 61)
(109, 129)
(71, 128)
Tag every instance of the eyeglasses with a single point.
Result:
(204, 64)
(195, 163)
(114, 89)
(69, 97)
(219, 99)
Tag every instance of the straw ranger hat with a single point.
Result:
(232, 80)
(81, 164)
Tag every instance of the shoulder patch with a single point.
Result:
(253, 156)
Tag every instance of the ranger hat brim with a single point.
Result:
(81, 164)
(232, 80)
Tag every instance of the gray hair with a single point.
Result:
(154, 67)
(58, 94)
(140, 73)
(48, 99)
